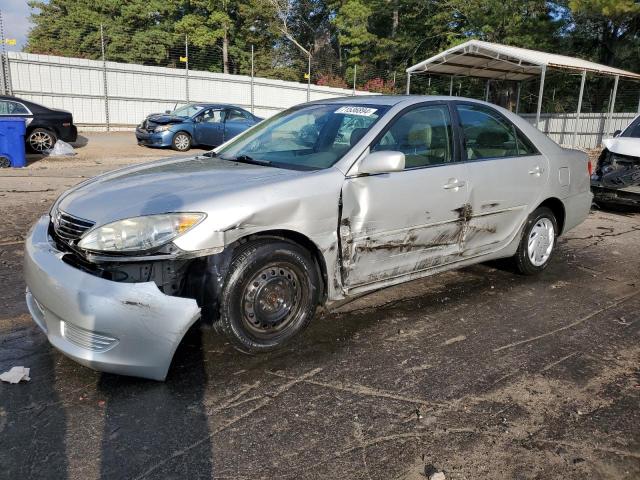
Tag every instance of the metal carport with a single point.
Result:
(494, 61)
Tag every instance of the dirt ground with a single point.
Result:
(479, 373)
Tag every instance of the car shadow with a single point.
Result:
(80, 142)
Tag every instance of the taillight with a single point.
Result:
(589, 167)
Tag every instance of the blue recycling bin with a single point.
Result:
(12, 130)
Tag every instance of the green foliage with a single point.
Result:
(379, 37)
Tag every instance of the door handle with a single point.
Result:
(536, 171)
(453, 184)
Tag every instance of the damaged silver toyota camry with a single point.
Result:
(317, 204)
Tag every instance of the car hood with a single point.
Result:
(163, 119)
(170, 185)
(629, 146)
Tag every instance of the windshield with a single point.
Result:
(305, 138)
(186, 110)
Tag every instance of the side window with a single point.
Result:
(212, 116)
(236, 115)
(8, 107)
(488, 135)
(423, 134)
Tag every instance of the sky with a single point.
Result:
(15, 14)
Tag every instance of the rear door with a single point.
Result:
(506, 176)
(402, 223)
(209, 127)
(236, 121)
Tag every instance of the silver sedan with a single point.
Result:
(322, 202)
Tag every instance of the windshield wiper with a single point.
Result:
(247, 159)
(210, 154)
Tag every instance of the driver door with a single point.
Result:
(398, 224)
(209, 127)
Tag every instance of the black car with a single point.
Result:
(44, 125)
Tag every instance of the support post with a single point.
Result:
(355, 70)
(451, 86)
(486, 92)
(518, 97)
(540, 94)
(575, 130)
(104, 80)
(613, 103)
(4, 62)
(252, 75)
(408, 83)
(309, 78)
(186, 68)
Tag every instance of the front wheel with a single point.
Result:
(270, 295)
(181, 142)
(537, 243)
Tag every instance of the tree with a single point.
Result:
(136, 31)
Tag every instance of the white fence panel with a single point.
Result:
(134, 91)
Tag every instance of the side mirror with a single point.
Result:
(617, 133)
(385, 161)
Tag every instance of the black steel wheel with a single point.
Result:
(270, 295)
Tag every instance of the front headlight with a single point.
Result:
(139, 233)
(162, 128)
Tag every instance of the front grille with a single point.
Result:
(87, 338)
(69, 228)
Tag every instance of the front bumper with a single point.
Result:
(125, 328)
(153, 139)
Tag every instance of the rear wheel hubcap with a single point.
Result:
(40, 141)
(541, 241)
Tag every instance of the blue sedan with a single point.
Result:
(205, 124)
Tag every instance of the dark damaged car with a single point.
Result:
(198, 124)
(318, 204)
(616, 180)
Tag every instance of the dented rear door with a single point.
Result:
(506, 177)
(399, 223)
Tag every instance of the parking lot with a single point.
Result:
(479, 373)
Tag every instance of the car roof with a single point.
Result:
(210, 105)
(34, 107)
(391, 100)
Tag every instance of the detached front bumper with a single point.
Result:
(160, 139)
(125, 328)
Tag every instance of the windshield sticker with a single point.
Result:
(362, 111)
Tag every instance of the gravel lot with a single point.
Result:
(480, 373)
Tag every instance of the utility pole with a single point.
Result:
(355, 69)
(252, 73)
(186, 68)
(104, 79)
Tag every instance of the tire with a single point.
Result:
(181, 142)
(269, 296)
(40, 139)
(540, 233)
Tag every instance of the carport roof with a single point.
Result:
(476, 58)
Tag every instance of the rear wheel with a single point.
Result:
(181, 141)
(270, 295)
(39, 140)
(537, 243)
